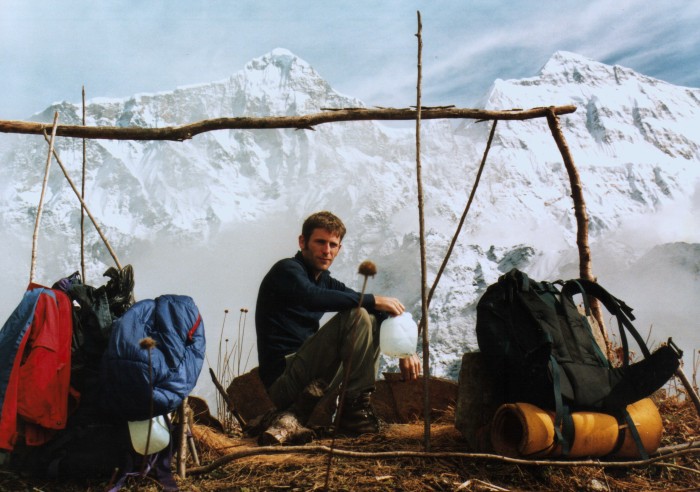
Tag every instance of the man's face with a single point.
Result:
(319, 250)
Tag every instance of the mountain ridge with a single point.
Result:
(633, 140)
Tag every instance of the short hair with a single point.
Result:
(323, 220)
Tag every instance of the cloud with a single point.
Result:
(365, 49)
(515, 41)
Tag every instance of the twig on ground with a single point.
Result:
(695, 449)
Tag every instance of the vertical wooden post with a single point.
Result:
(182, 444)
(40, 207)
(423, 267)
(189, 418)
(82, 207)
(584, 252)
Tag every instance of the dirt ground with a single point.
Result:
(394, 461)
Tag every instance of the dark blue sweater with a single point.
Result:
(289, 308)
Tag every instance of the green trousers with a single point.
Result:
(349, 339)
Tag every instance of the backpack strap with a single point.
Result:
(586, 304)
(517, 282)
(635, 435)
(563, 421)
(618, 308)
(634, 432)
(587, 308)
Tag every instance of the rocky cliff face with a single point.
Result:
(207, 217)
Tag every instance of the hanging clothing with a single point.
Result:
(35, 360)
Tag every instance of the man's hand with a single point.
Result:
(390, 305)
(410, 367)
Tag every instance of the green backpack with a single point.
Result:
(541, 350)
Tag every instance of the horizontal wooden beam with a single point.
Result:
(185, 132)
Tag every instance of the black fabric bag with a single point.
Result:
(541, 349)
(92, 447)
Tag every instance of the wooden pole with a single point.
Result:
(190, 438)
(423, 263)
(82, 194)
(347, 367)
(87, 210)
(37, 223)
(185, 132)
(464, 215)
(148, 344)
(689, 389)
(584, 252)
(229, 403)
(182, 449)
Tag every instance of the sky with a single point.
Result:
(366, 49)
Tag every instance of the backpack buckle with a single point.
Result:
(674, 347)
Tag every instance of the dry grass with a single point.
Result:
(305, 472)
(296, 472)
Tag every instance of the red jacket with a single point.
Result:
(36, 400)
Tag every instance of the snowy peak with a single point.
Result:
(565, 68)
(287, 83)
(619, 111)
(279, 71)
(278, 83)
(580, 76)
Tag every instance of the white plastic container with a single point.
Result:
(398, 336)
(160, 435)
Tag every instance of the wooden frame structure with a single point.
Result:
(331, 115)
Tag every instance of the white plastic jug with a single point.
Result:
(398, 335)
(160, 435)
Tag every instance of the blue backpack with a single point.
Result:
(129, 379)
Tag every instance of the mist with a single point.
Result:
(220, 274)
(652, 262)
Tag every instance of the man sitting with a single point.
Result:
(293, 351)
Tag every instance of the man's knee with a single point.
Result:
(363, 314)
(358, 317)
(360, 322)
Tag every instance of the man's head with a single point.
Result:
(321, 235)
(323, 220)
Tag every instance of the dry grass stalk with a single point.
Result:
(366, 269)
(148, 344)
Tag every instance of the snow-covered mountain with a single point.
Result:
(207, 217)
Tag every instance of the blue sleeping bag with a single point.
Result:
(174, 323)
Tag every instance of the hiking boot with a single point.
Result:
(285, 428)
(358, 417)
(306, 402)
